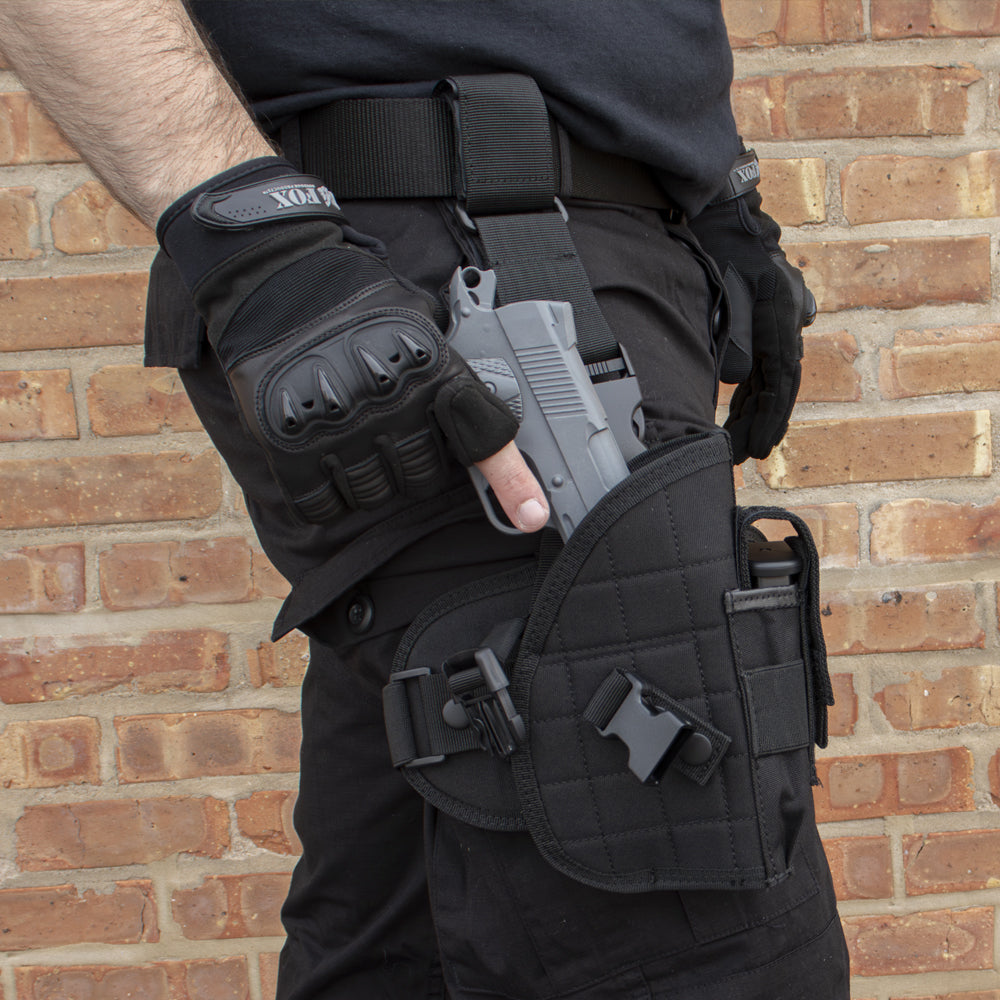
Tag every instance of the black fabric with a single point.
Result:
(669, 110)
(503, 142)
(532, 252)
(640, 586)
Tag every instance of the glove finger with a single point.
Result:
(475, 422)
(742, 413)
(417, 462)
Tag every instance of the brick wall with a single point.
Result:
(148, 730)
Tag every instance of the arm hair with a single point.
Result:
(133, 87)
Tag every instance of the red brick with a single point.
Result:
(895, 273)
(266, 818)
(928, 362)
(46, 669)
(231, 906)
(199, 744)
(267, 581)
(279, 664)
(861, 867)
(43, 579)
(27, 135)
(268, 966)
(794, 190)
(935, 941)
(37, 404)
(45, 753)
(931, 781)
(109, 489)
(107, 834)
(129, 399)
(934, 18)
(994, 773)
(874, 101)
(961, 696)
(843, 716)
(89, 220)
(896, 621)
(881, 449)
(888, 187)
(977, 995)
(199, 979)
(791, 22)
(18, 224)
(835, 529)
(922, 531)
(76, 310)
(828, 372)
(165, 574)
(55, 915)
(951, 862)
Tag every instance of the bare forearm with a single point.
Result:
(133, 88)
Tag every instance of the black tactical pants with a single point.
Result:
(394, 900)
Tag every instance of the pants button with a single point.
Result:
(360, 614)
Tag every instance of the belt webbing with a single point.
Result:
(488, 142)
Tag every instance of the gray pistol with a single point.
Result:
(526, 353)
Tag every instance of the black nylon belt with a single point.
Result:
(359, 144)
(489, 143)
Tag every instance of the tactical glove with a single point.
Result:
(335, 363)
(769, 305)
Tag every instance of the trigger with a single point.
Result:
(491, 506)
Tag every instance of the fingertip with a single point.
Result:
(532, 515)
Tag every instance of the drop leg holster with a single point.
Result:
(647, 705)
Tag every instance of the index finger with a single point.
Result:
(517, 490)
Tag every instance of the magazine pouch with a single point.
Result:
(646, 703)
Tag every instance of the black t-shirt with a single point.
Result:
(648, 79)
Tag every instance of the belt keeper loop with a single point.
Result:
(503, 143)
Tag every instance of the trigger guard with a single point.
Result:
(490, 505)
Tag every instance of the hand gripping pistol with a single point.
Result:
(576, 435)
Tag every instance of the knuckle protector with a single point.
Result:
(344, 404)
(647, 710)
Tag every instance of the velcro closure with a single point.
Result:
(291, 197)
(744, 176)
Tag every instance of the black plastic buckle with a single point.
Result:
(653, 738)
(400, 677)
(480, 698)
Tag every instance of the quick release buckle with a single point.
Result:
(653, 739)
(481, 699)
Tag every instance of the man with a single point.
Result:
(352, 465)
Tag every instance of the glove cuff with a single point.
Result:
(743, 177)
(243, 173)
(238, 208)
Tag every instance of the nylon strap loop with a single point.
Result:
(508, 182)
(505, 161)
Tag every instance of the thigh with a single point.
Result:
(357, 915)
(511, 926)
